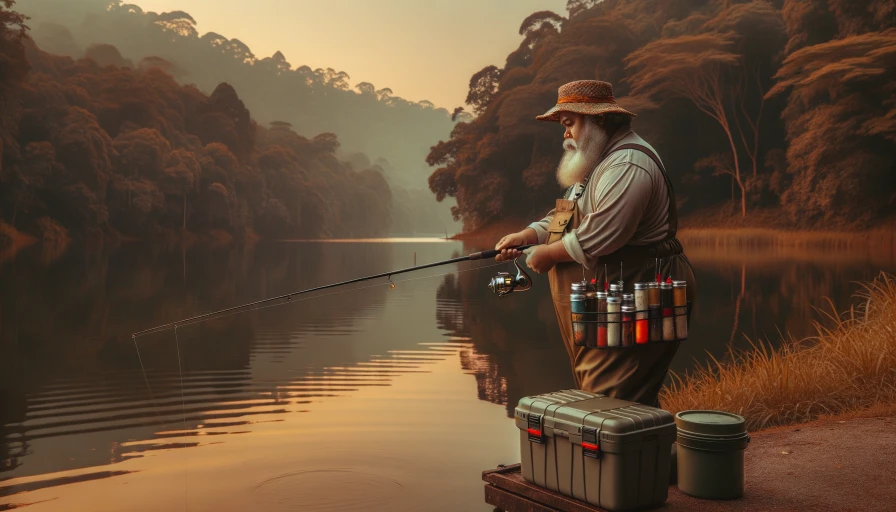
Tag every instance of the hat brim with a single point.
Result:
(590, 109)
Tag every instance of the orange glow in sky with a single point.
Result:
(421, 50)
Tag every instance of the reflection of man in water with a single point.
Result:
(620, 207)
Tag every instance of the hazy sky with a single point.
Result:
(421, 49)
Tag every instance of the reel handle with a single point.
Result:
(504, 283)
(484, 255)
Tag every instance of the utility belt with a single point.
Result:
(637, 254)
(631, 256)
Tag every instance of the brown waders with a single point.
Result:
(633, 373)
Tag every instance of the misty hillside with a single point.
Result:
(90, 151)
(366, 118)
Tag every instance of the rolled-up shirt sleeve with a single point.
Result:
(621, 196)
(541, 226)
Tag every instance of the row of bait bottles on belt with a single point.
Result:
(656, 312)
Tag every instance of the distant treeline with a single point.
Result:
(790, 102)
(101, 150)
(102, 145)
(395, 133)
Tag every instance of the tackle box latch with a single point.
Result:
(590, 446)
(535, 433)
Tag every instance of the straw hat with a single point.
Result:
(588, 97)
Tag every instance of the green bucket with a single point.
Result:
(711, 448)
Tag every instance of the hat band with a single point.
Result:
(587, 99)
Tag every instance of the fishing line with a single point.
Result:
(183, 409)
(152, 398)
(290, 300)
(145, 378)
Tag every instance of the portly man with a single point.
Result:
(619, 208)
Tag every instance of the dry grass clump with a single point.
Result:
(845, 368)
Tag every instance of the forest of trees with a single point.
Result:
(396, 133)
(785, 106)
(98, 150)
(780, 106)
(97, 142)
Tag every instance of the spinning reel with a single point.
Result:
(504, 283)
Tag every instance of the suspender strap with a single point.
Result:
(673, 214)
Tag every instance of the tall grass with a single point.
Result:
(848, 366)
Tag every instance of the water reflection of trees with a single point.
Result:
(776, 296)
(517, 349)
(67, 322)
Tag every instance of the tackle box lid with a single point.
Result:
(572, 410)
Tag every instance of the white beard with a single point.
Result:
(579, 160)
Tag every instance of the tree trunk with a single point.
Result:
(743, 195)
(758, 122)
(715, 108)
(752, 153)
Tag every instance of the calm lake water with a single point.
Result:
(357, 398)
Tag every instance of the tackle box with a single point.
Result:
(607, 452)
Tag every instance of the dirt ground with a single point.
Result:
(842, 464)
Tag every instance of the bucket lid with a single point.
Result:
(711, 423)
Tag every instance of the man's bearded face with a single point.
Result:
(583, 145)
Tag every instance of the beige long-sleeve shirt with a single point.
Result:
(625, 203)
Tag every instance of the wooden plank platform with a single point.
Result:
(507, 490)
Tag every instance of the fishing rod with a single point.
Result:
(503, 284)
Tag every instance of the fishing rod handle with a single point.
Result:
(484, 255)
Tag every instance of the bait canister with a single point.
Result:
(628, 325)
(641, 314)
(655, 312)
(601, 319)
(615, 290)
(591, 317)
(614, 307)
(710, 454)
(578, 307)
(653, 292)
(668, 311)
(680, 299)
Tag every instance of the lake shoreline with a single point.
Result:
(729, 235)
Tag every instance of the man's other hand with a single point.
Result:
(539, 259)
